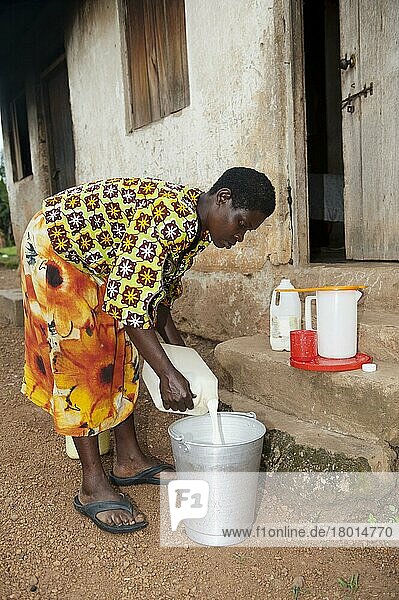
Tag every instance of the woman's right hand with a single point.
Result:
(174, 387)
(175, 391)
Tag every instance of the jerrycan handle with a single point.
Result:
(308, 311)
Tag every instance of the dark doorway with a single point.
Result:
(324, 130)
(58, 119)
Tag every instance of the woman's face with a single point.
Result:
(228, 225)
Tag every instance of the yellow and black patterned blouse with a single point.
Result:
(138, 235)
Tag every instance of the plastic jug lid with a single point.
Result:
(327, 288)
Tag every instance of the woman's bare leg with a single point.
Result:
(95, 485)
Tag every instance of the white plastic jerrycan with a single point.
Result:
(285, 315)
(103, 440)
(336, 311)
(203, 382)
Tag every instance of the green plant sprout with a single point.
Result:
(297, 587)
(296, 590)
(239, 557)
(371, 518)
(392, 518)
(352, 584)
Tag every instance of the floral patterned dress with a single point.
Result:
(100, 256)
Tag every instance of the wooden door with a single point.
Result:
(58, 118)
(370, 128)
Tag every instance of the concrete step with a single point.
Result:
(379, 334)
(305, 436)
(11, 309)
(354, 403)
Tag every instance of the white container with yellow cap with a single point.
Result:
(103, 439)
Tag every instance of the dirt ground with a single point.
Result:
(49, 551)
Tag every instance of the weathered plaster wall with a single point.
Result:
(236, 117)
(221, 306)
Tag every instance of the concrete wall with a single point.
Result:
(236, 117)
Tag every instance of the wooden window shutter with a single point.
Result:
(157, 50)
(137, 58)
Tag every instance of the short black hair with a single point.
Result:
(250, 189)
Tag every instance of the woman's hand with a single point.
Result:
(175, 391)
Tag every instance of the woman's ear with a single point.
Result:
(223, 195)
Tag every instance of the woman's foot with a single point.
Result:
(149, 470)
(129, 460)
(96, 487)
(103, 492)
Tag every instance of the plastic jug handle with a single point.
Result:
(308, 311)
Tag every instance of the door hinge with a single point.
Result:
(347, 63)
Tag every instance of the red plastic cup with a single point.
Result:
(303, 345)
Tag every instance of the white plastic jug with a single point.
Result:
(285, 315)
(203, 382)
(336, 312)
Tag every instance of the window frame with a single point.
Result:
(21, 165)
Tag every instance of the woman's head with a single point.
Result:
(239, 201)
(250, 189)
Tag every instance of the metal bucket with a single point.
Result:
(231, 469)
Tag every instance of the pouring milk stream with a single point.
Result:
(213, 413)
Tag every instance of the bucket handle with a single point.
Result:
(250, 415)
(179, 438)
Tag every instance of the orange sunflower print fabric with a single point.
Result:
(79, 365)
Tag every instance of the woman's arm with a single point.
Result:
(166, 327)
(174, 387)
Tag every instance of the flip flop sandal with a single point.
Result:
(146, 476)
(93, 508)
